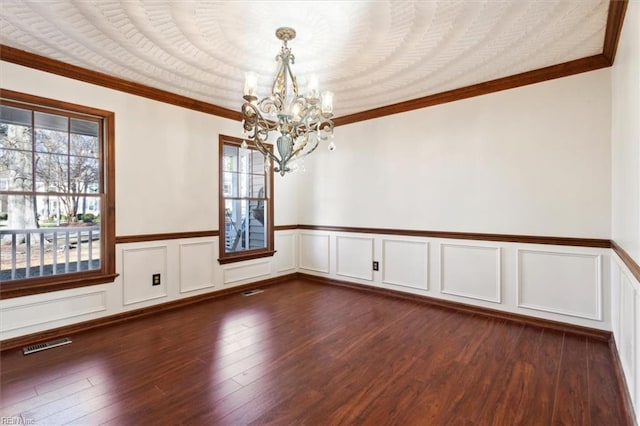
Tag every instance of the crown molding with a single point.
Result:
(53, 66)
(615, 19)
(565, 69)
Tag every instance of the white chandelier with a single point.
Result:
(302, 121)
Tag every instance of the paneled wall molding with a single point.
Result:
(64, 308)
(192, 255)
(634, 267)
(509, 238)
(245, 271)
(493, 313)
(396, 254)
(473, 272)
(315, 252)
(110, 320)
(546, 288)
(354, 257)
(126, 239)
(139, 265)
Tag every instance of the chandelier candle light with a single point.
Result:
(302, 121)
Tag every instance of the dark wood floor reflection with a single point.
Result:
(305, 353)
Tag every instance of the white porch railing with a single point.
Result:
(48, 251)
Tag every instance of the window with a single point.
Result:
(57, 224)
(246, 202)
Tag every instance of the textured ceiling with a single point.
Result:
(369, 53)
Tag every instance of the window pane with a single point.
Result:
(84, 127)
(16, 170)
(257, 162)
(86, 146)
(42, 236)
(84, 174)
(14, 136)
(230, 158)
(257, 186)
(18, 116)
(235, 225)
(51, 121)
(51, 141)
(257, 225)
(52, 173)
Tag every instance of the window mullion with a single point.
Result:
(33, 151)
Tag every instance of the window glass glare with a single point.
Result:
(43, 120)
(84, 127)
(16, 116)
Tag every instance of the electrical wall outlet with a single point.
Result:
(155, 279)
(375, 266)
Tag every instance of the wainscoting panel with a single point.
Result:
(559, 282)
(245, 271)
(314, 252)
(138, 267)
(197, 261)
(354, 257)
(405, 263)
(471, 271)
(27, 315)
(285, 257)
(625, 321)
(627, 342)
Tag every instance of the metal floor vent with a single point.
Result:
(46, 345)
(252, 292)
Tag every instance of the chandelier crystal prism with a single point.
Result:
(301, 122)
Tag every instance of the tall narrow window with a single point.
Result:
(246, 202)
(56, 195)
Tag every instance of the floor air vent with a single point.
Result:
(46, 345)
(252, 292)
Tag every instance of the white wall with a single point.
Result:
(166, 156)
(166, 182)
(533, 160)
(625, 137)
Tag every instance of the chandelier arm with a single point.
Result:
(279, 83)
(294, 80)
(315, 146)
(271, 104)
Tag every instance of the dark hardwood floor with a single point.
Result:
(310, 354)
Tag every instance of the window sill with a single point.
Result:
(239, 257)
(26, 287)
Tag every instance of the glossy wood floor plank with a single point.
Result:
(302, 353)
